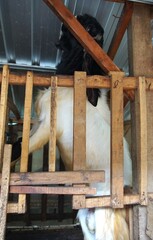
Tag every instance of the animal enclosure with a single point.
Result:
(77, 180)
(134, 204)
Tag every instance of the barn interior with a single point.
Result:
(29, 32)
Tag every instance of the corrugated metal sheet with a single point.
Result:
(29, 31)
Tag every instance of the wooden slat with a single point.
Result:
(12, 208)
(140, 44)
(82, 35)
(70, 177)
(107, 202)
(95, 81)
(120, 29)
(79, 121)
(52, 190)
(5, 189)
(3, 107)
(26, 134)
(53, 110)
(79, 127)
(117, 139)
(142, 141)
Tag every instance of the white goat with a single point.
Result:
(102, 223)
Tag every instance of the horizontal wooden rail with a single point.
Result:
(95, 81)
(70, 177)
(106, 201)
(52, 190)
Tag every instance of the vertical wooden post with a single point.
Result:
(142, 141)
(5, 189)
(141, 63)
(79, 131)
(26, 135)
(117, 139)
(3, 108)
(52, 142)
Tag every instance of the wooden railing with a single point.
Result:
(24, 182)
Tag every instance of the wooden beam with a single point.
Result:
(95, 81)
(117, 170)
(26, 135)
(53, 118)
(82, 35)
(52, 190)
(79, 122)
(70, 177)
(141, 64)
(120, 29)
(79, 128)
(3, 109)
(5, 189)
(142, 142)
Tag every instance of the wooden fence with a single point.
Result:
(28, 183)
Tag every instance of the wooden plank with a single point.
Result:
(105, 201)
(53, 118)
(117, 181)
(26, 135)
(82, 35)
(149, 229)
(120, 29)
(79, 121)
(70, 177)
(79, 128)
(52, 190)
(95, 81)
(3, 108)
(140, 45)
(12, 208)
(142, 141)
(5, 189)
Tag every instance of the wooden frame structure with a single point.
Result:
(117, 82)
(24, 182)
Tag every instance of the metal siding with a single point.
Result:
(29, 30)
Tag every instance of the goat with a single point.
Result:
(102, 223)
(75, 58)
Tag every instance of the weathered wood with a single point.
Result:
(120, 29)
(117, 173)
(79, 122)
(52, 190)
(70, 177)
(79, 128)
(82, 35)
(149, 229)
(142, 141)
(95, 81)
(26, 135)
(53, 110)
(3, 108)
(141, 64)
(5, 189)
(12, 208)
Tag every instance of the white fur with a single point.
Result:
(99, 224)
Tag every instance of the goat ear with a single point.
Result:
(92, 96)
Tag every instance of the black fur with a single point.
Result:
(75, 58)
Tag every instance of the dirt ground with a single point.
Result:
(62, 234)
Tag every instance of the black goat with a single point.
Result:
(75, 58)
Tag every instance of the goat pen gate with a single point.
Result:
(29, 183)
